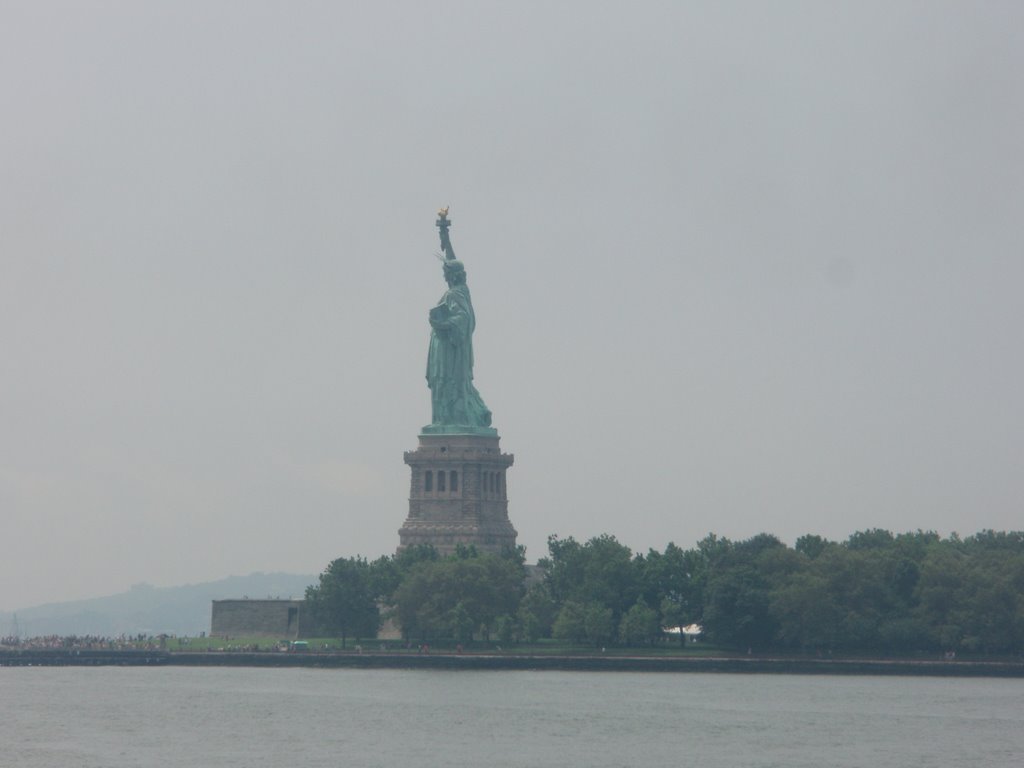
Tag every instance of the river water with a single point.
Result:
(110, 717)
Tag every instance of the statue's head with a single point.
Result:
(454, 272)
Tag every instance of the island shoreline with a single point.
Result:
(513, 662)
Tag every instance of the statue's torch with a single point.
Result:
(443, 222)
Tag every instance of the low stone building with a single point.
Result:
(284, 619)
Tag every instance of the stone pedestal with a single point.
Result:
(458, 494)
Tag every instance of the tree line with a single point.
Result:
(874, 592)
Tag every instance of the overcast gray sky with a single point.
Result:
(737, 267)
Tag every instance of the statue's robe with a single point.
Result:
(454, 399)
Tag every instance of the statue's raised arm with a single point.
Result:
(443, 223)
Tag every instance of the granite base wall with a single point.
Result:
(284, 619)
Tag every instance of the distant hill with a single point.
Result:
(150, 610)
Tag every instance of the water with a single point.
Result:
(111, 717)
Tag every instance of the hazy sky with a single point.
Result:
(737, 267)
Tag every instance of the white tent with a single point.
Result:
(692, 630)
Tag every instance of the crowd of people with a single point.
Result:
(85, 642)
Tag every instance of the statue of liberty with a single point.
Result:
(456, 406)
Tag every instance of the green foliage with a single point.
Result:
(536, 613)
(807, 617)
(876, 538)
(529, 626)
(598, 623)
(585, 623)
(992, 600)
(507, 629)
(387, 573)
(736, 612)
(639, 625)
(516, 554)
(874, 593)
(601, 571)
(460, 623)
(570, 624)
(457, 596)
(673, 580)
(674, 615)
(344, 602)
(811, 545)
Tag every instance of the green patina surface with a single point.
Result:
(458, 429)
(456, 405)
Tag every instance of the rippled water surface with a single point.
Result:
(110, 717)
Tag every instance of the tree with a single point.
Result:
(507, 629)
(439, 598)
(736, 613)
(529, 626)
(602, 571)
(991, 601)
(536, 613)
(938, 591)
(875, 538)
(343, 602)
(460, 623)
(598, 623)
(669, 582)
(805, 613)
(740, 578)
(811, 545)
(673, 614)
(589, 622)
(639, 625)
(387, 573)
(570, 624)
